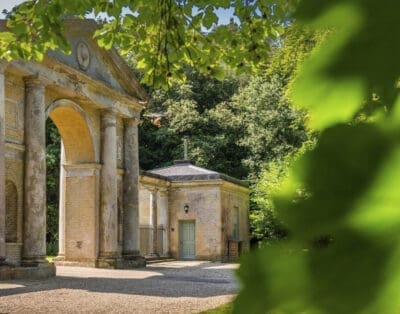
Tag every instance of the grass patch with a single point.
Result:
(222, 309)
(50, 258)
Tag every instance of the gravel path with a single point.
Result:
(169, 287)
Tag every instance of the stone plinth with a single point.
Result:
(44, 270)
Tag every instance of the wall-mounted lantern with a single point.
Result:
(186, 208)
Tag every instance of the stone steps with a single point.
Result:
(158, 259)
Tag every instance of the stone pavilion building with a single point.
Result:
(188, 212)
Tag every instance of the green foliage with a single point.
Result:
(340, 204)
(346, 67)
(241, 126)
(264, 224)
(51, 250)
(193, 110)
(275, 132)
(236, 136)
(50, 258)
(271, 128)
(222, 309)
(166, 36)
(53, 146)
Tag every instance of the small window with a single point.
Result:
(235, 222)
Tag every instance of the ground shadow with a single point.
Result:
(205, 280)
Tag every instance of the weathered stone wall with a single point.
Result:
(14, 115)
(14, 118)
(153, 215)
(163, 222)
(144, 205)
(234, 196)
(146, 227)
(204, 200)
(81, 216)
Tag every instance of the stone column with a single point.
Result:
(2, 168)
(61, 223)
(34, 248)
(131, 232)
(163, 214)
(108, 206)
(154, 215)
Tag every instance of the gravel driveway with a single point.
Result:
(169, 287)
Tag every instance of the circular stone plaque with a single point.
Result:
(83, 56)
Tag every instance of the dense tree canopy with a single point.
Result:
(243, 126)
(189, 110)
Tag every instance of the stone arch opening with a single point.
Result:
(72, 124)
(11, 212)
(78, 183)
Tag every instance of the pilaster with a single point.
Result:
(154, 218)
(61, 222)
(163, 213)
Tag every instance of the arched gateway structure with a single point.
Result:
(95, 102)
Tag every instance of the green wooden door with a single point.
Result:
(187, 246)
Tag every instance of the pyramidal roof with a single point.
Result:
(184, 170)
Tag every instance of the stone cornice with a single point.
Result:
(152, 182)
(231, 187)
(132, 121)
(198, 183)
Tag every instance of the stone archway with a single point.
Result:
(97, 115)
(79, 184)
(73, 126)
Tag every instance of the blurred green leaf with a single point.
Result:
(358, 58)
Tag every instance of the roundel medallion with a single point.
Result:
(83, 56)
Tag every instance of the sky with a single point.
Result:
(8, 4)
(224, 15)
